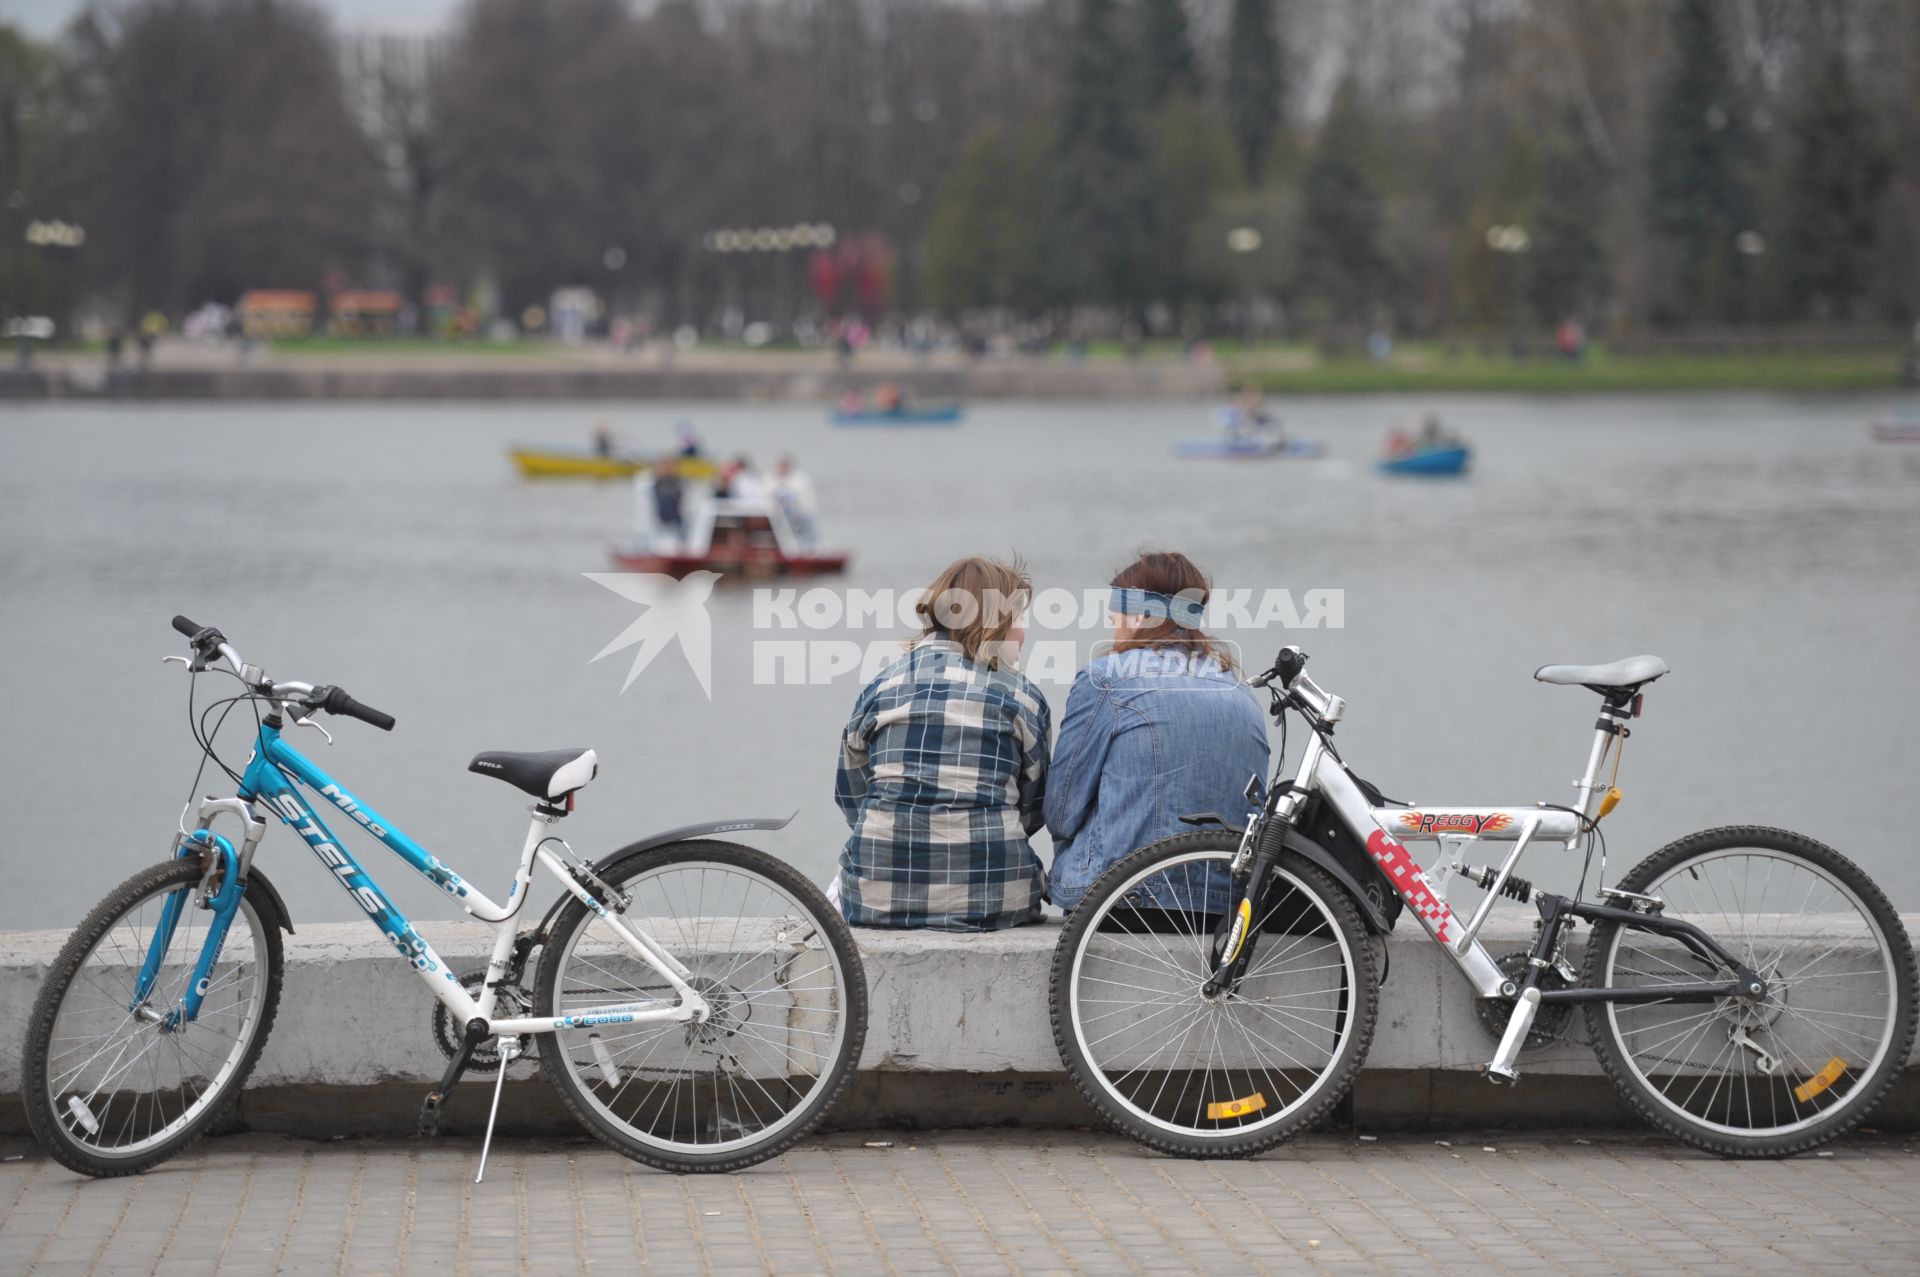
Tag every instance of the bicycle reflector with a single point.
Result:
(1639, 703)
(1818, 1082)
(1236, 1108)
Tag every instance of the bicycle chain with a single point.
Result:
(510, 1000)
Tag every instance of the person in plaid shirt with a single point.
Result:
(943, 767)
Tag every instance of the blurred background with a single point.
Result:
(1546, 331)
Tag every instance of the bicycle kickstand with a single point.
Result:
(509, 1051)
(430, 1110)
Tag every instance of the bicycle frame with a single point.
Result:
(1320, 771)
(273, 776)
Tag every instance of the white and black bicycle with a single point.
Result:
(1749, 990)
(698, 1004)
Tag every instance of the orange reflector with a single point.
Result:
(1820, 1081)
(1236, 1108)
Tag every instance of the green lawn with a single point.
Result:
(1430, 368)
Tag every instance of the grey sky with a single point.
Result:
(44, 18)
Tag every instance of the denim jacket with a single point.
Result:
(1149, 736)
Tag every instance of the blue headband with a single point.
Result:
(1185, 612)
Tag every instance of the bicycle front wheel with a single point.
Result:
(1768, 1076)
(115, 1082)
(1223, 1075)
(778, 968)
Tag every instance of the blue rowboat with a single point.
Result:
(946, 414)
(1250, 448)
(1428, 461)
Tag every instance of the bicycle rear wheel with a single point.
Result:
(115, 1083)
(1770, 1076)
(775, 962)
(1221, 1076)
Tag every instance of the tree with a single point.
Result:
(1340, 264)
(1253, 85)
(34, 139)
(1570, 268)
(1107, 203)
(1168, 50)
(1839, 173)
(1699, 199)
(1195, 163)
(221, 156)
(988, 244)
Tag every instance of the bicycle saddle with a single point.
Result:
(551, 774)
(1615, 676)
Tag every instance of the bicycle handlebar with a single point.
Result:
(208, 642)
(336, 701)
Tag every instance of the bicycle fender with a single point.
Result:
(258, 881)
(1310, 850)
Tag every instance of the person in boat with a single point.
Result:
(689, 441)
(1246, 418)
(943, 767)
(887, 398)
(603, 441)
(1158, 726)
(793, 489)
(744, 483)
(669, 516)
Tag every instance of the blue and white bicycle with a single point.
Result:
(699, 1004)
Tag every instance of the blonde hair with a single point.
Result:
(975, 602)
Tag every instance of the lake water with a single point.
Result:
(1763, 545)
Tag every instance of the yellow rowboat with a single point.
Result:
(546, 463)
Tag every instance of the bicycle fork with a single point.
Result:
(1233, 950)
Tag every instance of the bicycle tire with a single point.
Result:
(1901, 990)
(558, 1054)
(44, 1115)
(1330, 1085)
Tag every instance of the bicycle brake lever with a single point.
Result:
(308, 721)
(181, 659)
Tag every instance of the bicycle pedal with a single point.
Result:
(430, 1115)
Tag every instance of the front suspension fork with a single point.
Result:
(1233, 948)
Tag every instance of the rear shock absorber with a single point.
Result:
(1514, 888)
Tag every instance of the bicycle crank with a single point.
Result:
(1550, 1022)
(510, 1001)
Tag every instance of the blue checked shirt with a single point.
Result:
(943, 772)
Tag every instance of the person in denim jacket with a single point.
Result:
(1158, 727)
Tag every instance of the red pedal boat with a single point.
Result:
(733, 538)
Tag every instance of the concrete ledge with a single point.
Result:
(958, 1036)
(473, 378)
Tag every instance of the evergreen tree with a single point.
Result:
(1341, 266)
(1253, 82)
(1167, 50)
(1108, 214)
(1699, 198)
(1840, 171)
(1195, 162)
(989, 241)
(1570, 269)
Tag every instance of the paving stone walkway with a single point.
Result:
(977, 1203)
